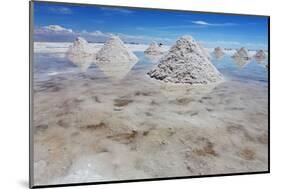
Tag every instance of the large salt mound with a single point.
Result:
(81, 54)
(260, 54)
(153, 49)
(114, 50)
(186, 63)
(206, 53)
(242, 53)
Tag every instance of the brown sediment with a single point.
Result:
(40, 128)
(184, 101)
(237, 129)
(247, 154)
(208, 149)
(143, 93)
(124, 138)
(93, 126)
(122, 102)
(263, 138)
(62, 123)
(97, 99)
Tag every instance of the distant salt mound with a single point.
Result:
(186, 63)
(260, 54)
(218, 53)
(242, 53)
(153, 49)
(81, 54)
(114, 50)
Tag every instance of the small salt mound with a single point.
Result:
(186, 63)
(153, 49)
(114, 50)
(218, 53)
(81, 54)
(260, 54)
(206, 53)
(80, 47)
(242, 53)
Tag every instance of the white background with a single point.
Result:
(14, 85)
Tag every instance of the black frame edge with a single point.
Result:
(31, 48)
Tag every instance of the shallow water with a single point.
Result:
(113, 122)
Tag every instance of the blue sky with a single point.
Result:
(64, 22)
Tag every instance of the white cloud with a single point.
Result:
(59, 33)
(98, 33)
(54, 33)
(204, 23)
(200, 22)
(55, 28)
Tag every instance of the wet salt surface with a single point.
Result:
(104, 125)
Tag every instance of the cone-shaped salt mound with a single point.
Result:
(80, 47)
(218, 51)
(260, 54)
(205, 52)
(242, 53)
(153, 49)
(81, 54)
(114, 50)
(186, 63)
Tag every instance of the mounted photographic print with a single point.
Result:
(122, 94)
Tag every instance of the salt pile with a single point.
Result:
(80, 47)
(260, 54)
(218, 50)
(81, 54)
(186, 63)
(206, 53)
(242, 53)
(153, 49)
(218, 53)
(114, 50)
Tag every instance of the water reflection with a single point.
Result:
(218, 56)
(82, 61)
(153, 58)
(240, 61)
(115, 70)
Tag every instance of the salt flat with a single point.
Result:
(92, 126)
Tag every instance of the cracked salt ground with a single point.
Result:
(89, 128)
